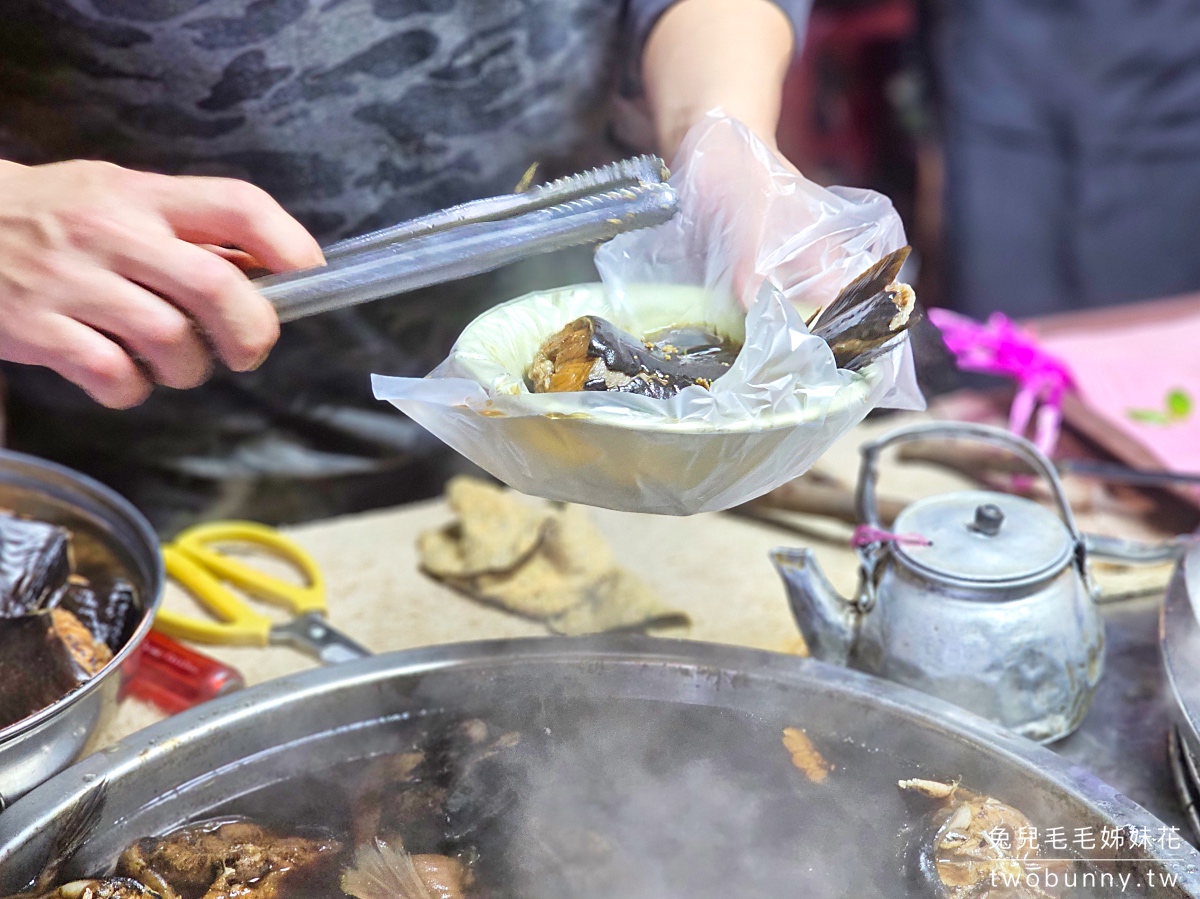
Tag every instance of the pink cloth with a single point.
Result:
(1135, 368)
(999, 347)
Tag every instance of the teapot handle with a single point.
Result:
(867, 510)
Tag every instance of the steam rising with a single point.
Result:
(657, 800)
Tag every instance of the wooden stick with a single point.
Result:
(831, 500)
(975, 462)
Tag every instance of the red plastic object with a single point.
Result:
(171, 676)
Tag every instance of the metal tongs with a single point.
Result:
(478, 237)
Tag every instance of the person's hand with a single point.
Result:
(747, 216)
(105, 277)
(733, 55)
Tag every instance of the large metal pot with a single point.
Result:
(104, 528)
(1179, 639)
(874, 732)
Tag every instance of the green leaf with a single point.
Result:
(1148, 416)
(1179, 404)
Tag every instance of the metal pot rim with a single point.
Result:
(1179, 644)
(150, 601)
(157, 745)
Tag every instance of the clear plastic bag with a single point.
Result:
(748, 225)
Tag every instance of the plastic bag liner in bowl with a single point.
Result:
(765, 421)
(782, 404)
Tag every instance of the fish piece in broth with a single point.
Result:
(387, 871)
(229, 859)
(977, 847)
(431, 797)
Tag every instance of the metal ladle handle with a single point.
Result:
(864, 499)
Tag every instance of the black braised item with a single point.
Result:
(591, 353)
(43, 657)
(866, 319)
(110, 615)
(869, 315)
(58, 627)
(35, 563)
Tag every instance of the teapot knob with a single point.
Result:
(988, 519)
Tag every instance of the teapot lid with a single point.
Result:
(984, 538)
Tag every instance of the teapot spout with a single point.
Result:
(828, 622)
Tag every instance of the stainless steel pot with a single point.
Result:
(873, 731)
(1179, 640)
(104, 528)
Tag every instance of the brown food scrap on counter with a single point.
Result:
(805, 755)
(492, 533)
(544, 563)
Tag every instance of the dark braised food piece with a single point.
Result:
(35, 563)
(102, 888)
(43, 657)
(592, 353)
(228, 860)
(870, 314)
(418, 797)
(110, 616)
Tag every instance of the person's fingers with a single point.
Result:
(83, 356)
(147, 327)
(227, 212)
(240, 258)
(238, 321)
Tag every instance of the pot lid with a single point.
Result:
(982, 537)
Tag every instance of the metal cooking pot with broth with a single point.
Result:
(551, 767)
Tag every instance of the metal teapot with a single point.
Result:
(995, 614)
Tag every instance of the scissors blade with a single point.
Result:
(310, 633)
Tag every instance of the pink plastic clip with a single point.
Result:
(1001, 348)
(864, 535)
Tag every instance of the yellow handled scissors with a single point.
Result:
(196, 562)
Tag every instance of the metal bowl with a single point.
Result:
(297, 730)
(104, 528)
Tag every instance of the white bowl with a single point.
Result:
(698, 451)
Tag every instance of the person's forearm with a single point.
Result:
(707, 53)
